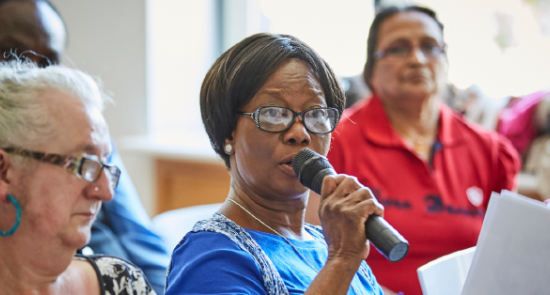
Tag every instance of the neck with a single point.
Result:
(413, 117)
(286, 217)
(27, 267)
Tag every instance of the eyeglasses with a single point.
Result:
(429, 50)
(87, 167)
(279, 119)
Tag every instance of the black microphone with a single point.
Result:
(311, 168)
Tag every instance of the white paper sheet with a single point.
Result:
(513, 249)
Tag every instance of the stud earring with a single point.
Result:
(228, 148)
(96, 189)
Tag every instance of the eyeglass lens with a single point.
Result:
(91, 170)
(320, 120)
(430, 50)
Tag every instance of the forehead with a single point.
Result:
(29, 25)
(294, 82)
(75, 128)
(410, 26)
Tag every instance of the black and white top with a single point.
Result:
(118, 276)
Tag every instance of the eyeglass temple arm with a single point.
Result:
(249, 115)
(59, 160)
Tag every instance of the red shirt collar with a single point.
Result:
(377, 127)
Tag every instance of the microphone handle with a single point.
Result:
(380, 233)
(385, 238)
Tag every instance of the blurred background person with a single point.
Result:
(523, 117)
(432, 170)
(525, 121)
(54, 145)
(264, 100)
(34, 30)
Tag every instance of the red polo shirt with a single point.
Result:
(438, 206)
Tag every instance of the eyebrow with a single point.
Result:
(403, 39)
(90, 149)
(277, 93)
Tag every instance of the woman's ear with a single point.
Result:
(228, 147)
(4, 178)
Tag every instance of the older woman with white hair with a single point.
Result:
(54, 143)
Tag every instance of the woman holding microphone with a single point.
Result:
(263, 101)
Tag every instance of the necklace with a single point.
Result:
(288, 242)
(420, 143)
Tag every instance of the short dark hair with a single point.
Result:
(54, 10)
(241, 71)
(375, 28)
(46, 1)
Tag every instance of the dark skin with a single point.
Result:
(31, 30)
(263, 181)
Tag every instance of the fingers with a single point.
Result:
(369, 207)
(346, 192)
(344, 208)
(330, 183)
(366, 202)
(339, 186)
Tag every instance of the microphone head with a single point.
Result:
(301, 158)
(307, 164)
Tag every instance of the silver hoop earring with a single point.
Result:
(228, 148)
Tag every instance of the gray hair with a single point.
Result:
(22, 112)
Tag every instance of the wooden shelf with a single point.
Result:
(184, 183)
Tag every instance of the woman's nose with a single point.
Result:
(101, 188)
(297, 133)
(417, 55)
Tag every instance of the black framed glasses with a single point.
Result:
(429, 50)
(278, 119)
(87, 167)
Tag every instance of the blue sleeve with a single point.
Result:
(131, 225)
(210, 263)
(376, 288)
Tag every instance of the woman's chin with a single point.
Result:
(418, 91)
(79, 239)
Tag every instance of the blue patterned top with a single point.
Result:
(220, 257)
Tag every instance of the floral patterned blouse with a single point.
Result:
(118, 276)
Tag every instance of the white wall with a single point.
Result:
(152, 55)
(183, 45)
(108, 39)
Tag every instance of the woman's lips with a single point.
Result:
(286, 165)
(86, 214)
(287, 168)
(416, 77)
(89, 213)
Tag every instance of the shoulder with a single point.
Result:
(218, 232)
(201, 254)
(195, 242)
(493, 145)
(471, 130)
(206, 251)
(120, 276)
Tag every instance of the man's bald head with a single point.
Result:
(31, 25)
